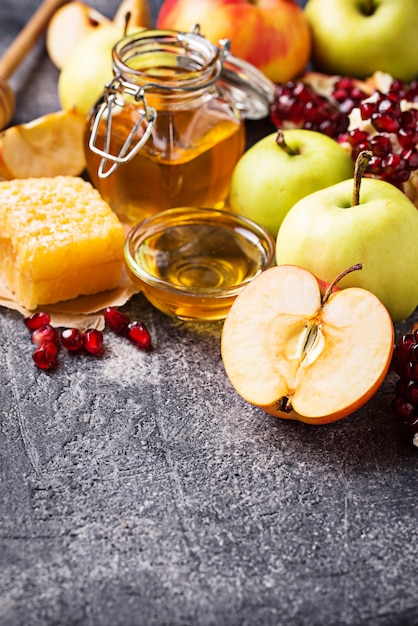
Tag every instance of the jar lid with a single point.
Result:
(251, 91)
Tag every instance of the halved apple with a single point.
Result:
(50, 145)
(302, 350)
(69, 25)
(75, 20)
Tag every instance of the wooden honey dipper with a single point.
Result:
(18, 50)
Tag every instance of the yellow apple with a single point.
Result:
(306, 351)
(139, 14)
(51, 145)
(89, 68)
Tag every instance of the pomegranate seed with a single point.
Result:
(347, 106)
(397, 87)
(400, 176)
(116, 320)
(327, 128)
(72, 338)
(137, 333)
(408, 137)
(414, 372)
(303, 93)
(413, 91)
(409, 119)
(44, 355)
(93, 340)
(364, 145)
(412, 394)
(413, 353)
(404, 345)
(401, 368)
(401, 387)
(357, 136)
(394, 163)
(296, 113)
(375, 165)
(36, 320)
(381, 145)
(411, 158)
(45, 333)
(367, 108)
(344, 83)
(358, 94)
(385, 122)
(402, 408)
(391, 106)
(340, 94)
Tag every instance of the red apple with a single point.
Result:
(302, 350)
(273, 35)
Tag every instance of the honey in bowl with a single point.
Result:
(191, 263)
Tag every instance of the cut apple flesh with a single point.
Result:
(69, 25)
(297, 357)
(51, 145)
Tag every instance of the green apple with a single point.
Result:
(89, 68)
(359, 37)
(333, 228)
(282, 168)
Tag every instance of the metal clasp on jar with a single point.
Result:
(113, 97)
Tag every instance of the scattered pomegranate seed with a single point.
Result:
(72, 338)
(36, 320)
(45, 333)
(138, 334)
(47, 338)
(93, 340)
(116, 320)
(44, 355)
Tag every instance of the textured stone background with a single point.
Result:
(139, 489)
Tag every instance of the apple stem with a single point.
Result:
(368, 7)
(362, 162)
(330, 288)
(280, 141)
(128, 16)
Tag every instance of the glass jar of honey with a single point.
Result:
(167, 131)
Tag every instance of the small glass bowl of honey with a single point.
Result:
(191, 263)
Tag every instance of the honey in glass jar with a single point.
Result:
(164, 134)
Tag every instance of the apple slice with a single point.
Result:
(303, 350)
(75, 20)
(69, 25)
(50, 145)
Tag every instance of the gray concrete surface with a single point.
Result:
(140, 490)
